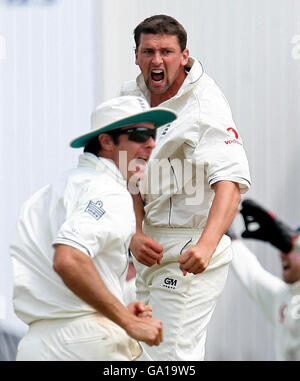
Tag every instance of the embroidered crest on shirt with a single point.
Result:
(95, 209)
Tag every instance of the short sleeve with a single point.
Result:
(221, 151)
(90, 221)
(220, 147)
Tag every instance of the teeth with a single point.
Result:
(159, 73)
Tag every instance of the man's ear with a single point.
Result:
(106, 141)
(185, 57)
(136, 56)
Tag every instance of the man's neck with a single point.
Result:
(157, 99)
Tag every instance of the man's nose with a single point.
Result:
(157, 59)
(150, 143)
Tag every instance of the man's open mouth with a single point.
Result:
(157, 75)
(142, 160)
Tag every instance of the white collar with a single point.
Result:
(88, 160)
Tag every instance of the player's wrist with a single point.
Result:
(139, 230)
(207, 242)
(129, 323)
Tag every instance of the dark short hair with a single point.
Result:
(94, 146)
(161, 24)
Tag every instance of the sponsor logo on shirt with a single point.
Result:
(233, 133)
(95, 209)
(170, 283)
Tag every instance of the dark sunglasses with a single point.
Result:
(137, 134)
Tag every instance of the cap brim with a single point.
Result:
(158, 117)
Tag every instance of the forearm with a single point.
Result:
(81, 277)
(222, 212)
(247, 267)
(223, 209)
(263, 286)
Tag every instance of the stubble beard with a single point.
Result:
(157, 90)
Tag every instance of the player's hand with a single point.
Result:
(145, 249)
(194, 260)
(140, 309)
(144, 329)
(269, 228)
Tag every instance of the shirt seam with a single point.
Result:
(60, 240)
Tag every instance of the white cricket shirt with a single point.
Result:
(279, 301)
(192, 153)
(89, 209)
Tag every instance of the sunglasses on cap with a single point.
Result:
(137, 134)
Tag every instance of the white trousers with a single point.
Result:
(185, 304)
(87, 338)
